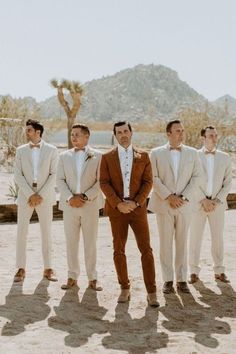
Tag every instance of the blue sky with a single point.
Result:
(85, 40)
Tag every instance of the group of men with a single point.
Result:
(188, 187)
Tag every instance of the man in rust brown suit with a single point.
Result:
(126, 180)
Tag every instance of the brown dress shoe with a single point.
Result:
(70, 284)
(193, 278)
(152, 300)
(183, 287)
(93, 284)
(222, 277)
(124, 296)
(168, 287)
(19, 276)
(49, 274)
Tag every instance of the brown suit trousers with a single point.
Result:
(140, 186)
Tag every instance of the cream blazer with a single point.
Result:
(67, 178)
(189, 177)
(23, 173)
(222, 177)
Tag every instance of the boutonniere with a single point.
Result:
(89, 155)
(137, 155)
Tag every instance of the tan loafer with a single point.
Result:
(49, 274)
(183, 287)
(124, 296)
(168, 287)
(193, 278)
(70, 284)
(94, 285)
(222, 277)
(152, 300)
(19, 276)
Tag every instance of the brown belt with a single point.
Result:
(34, 185)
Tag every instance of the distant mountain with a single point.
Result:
(145, 92)
(227, 102)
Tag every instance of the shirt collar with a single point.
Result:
(121, 149)
(205, 149)
(179, 146)
(39, 143)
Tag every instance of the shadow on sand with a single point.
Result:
(184, 314)
(23, 309)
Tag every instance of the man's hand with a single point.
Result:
(208, 205)
(175, 202)
(34, 200)
(77, 201)
(126, 207)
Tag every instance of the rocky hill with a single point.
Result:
(145, 92)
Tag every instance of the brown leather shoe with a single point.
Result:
(152, 300)
(168, 287)
(124, 296)
(222, 277)
(49, 274)
(19, 276)
(93, 284)
(193, 278)
(70, 284)
(183, 287)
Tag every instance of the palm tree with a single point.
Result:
(75, 89)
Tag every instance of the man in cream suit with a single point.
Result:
(78, 183)
(126, 180)
(211, 198)
(35, 174)
(176, 173)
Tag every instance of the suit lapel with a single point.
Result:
(116, 162)
(169, 159)
(43, 151)
(73, 158)
(28, 152)
(88, 155)
(181, 162)
(216, 168)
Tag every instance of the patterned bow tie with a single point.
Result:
(210, 152)
(35, 146)
(177, 148)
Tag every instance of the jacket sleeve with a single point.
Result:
(62, 186)
(51, 180)
(226, 185)
(158, 187)
(106, 184)
(19, 177)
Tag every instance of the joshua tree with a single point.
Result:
(76, 91)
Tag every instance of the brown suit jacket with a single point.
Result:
(112, 184)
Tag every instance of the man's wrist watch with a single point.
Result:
(85, 197)
(184, 198)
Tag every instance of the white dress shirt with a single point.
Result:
(126, 162)
(35, 158)
(210, 159)
(79, 159)
(175, 157)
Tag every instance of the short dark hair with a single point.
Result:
(36, 125)
(170, 123)
(83, 128)
(203, 131)
(119, 124)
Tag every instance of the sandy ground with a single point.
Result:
(38, 317)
